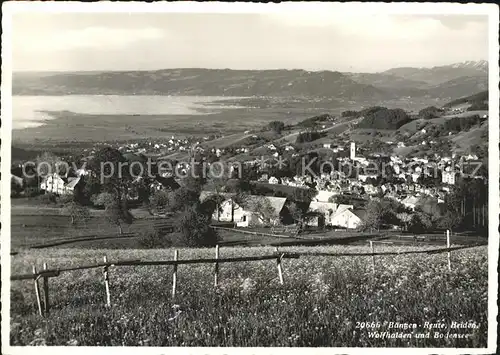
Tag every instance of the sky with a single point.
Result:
(317, 40)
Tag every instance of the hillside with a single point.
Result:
(479, 97)
(439, 82)
(202, 82)
(441, 74)
(384, 118)
(462, 86)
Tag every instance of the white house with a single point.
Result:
(263, 178)
(323, 196)
(326, 212)
(82, 171)
(59, 185)
(370, 189)
(471, 157)
(273, 180)
(346, 218)
(410, 202)
(254, 210)
(448, 177)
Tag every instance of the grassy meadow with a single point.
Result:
(319, 305)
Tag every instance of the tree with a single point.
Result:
(340, 199)
(450, 221)
(16, 186)
(159, 200)
(193, 228)
(379, 212)
(47, 163)
(116, 209)
(86, 192)
(308, 136)
(375, 214)
(420, 222)
(298, 214)
(109, 165)
(263, 208)
(276, 126)
(103, 199)
(195, 178)
(140, 189)
(405, 218)
(384, 118)
(181, 198)
(430, 112)
(77, 213)
(117, 213)
(150, 237)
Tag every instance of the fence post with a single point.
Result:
(278, 261)
(174, 276)
(448, 246)
(37, 292)
(46, 292)
(373, 256)
(216, 271)
(106, 282)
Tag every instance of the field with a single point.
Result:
(320, 303)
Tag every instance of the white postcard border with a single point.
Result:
(491, 10)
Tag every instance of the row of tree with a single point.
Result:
(465, 208)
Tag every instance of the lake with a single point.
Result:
(27, 111)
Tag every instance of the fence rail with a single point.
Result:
(283, 255)
(46, 273)
(253, 233)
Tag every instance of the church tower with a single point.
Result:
(352, 154)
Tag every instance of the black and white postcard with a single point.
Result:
(201, 178)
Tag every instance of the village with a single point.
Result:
(341, 187)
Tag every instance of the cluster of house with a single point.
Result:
(165, 145)
(250, 212)
(407, 191)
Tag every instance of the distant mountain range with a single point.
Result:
(444, 82)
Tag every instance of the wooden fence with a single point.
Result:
(251, 232)
(46, 273)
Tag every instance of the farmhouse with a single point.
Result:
(59, 185)
(253, 210)
(346, 218)
(410, 202)
(329, 214)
